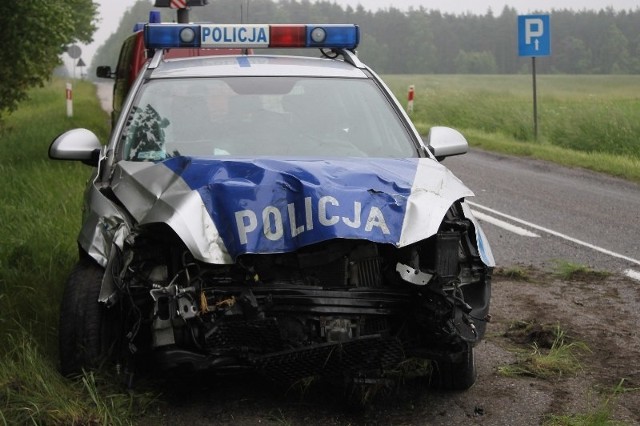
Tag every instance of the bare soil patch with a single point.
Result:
(600, 311)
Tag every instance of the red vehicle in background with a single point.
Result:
(133, 54)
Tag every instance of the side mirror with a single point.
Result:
(446, 142)
(104, 71)
(76, 145)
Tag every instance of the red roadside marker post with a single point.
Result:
(410, 96)
(69, 97)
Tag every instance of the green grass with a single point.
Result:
(600, 415)
(34, 393)
(41, 207)
(41, 213)
(516, 273)
(584, 121)
(559, 360)
(554, 355)
(574, 271)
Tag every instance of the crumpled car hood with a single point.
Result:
(222, 208)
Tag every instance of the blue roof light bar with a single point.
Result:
(164, 36)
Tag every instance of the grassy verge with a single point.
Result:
(584, 121)
(41, 207)
(574, 271)
(40, 212)
(600, 415)
(552, 355)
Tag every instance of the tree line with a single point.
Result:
(418, 41)
(33, 35)
(422, 41)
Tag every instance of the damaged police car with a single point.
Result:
(272, 213)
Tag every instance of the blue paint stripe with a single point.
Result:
(303, 202)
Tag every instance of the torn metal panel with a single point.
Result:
(434, 190)
(223, 208)
(104, 225)
(413, 276)
(274, 206)
(483, 243)
(152, 193)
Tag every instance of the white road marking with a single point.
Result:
(632, 274)
(504, 225)
(557, 234)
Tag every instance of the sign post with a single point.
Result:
(81, 64)
(183, 11)
(74, 52)
(534, 39)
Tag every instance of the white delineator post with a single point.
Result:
(410, 96)
(69, 96)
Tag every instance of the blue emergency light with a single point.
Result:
(154, 18)
(164, 36)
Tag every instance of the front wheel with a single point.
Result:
(456, 375)
(85, 332)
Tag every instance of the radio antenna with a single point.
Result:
(244, 14)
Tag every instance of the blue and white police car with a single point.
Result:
(272, 213)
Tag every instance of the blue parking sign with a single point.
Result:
(534, 35)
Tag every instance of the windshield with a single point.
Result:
(264, 116)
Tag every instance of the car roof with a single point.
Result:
(256, 65)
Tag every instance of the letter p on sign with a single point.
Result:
(534, 35)
(533, 27)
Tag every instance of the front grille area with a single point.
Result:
(332, 359)
(368, 272)
(332, 274)
(259, 336)
(352, 264)
(374, 325)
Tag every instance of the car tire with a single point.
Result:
(84, 333)
(455, 375)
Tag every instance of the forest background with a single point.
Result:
(423, 41)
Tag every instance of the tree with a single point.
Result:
(422, 54)
(574, 56)
(34, 34)
(634, 64)
(108, 53)
(475, 63)
(613, 53)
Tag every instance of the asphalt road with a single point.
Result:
(577, 215)
(104, 90)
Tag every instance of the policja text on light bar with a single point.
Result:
(227, 35)
(164, 36)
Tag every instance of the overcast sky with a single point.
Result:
(112, 10)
